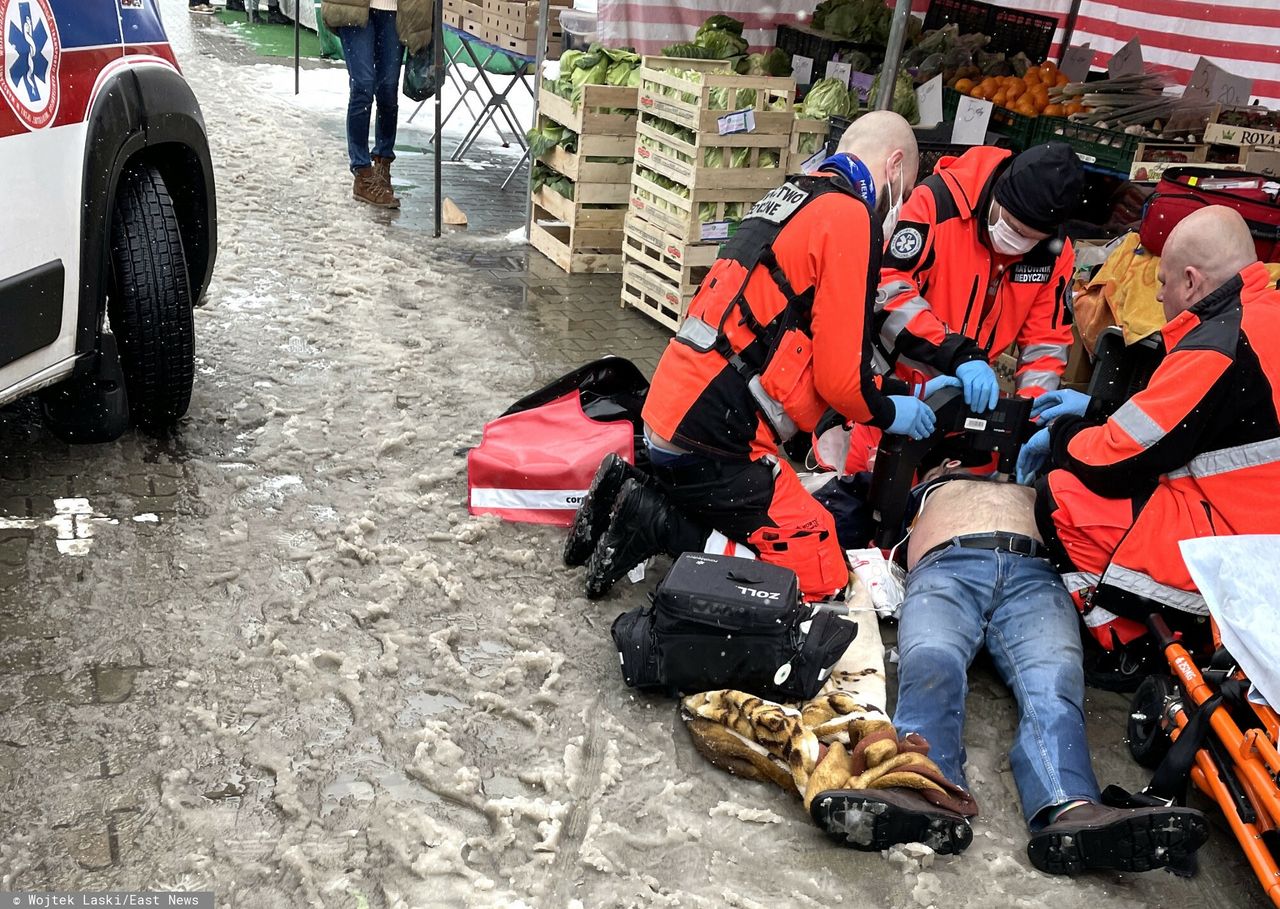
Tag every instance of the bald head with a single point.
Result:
(884, 142)
(1204, 251)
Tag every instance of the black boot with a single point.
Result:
(593, 514)
(643, 524)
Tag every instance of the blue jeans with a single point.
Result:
(957, 601)
(373, 56)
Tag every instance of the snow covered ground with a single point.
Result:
(318, 683)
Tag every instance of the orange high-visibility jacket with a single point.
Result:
(1204, 434)
(945, 298)
(827, 248)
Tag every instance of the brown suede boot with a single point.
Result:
(382, 167)
(370, 188)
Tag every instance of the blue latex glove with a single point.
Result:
(938, 382)
(981, 390)
(911, 417)
(1053, 404)
(1033, 456)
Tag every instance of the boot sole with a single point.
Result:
(590, 522)
(870, 824)
(597, 585)
(1141, 842)
(395, 204)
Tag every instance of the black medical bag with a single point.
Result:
(723, 622)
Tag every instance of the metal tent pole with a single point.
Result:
(297, 46)
(1068, 30)
(437, 72)
(544, 11)
(893, 55)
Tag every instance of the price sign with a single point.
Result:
(814, 161)
(861, 83)
(841, 71)
(929, 98)
(1127, 61)
(801, 69)
(740, 121)
(1076, 62)
(972, 117)
(1210, 82)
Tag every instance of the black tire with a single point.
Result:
(150, 304)
(1147, 737)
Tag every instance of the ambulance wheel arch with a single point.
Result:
(146, 118)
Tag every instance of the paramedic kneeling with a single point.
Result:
(979, 577)
(1196, 453)
(777, 334)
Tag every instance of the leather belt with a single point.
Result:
(1015, 543)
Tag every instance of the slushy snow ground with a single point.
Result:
(350, 693)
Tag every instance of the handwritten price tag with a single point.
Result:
(1127, 61)
(929, 98)
(972, 117)
(1076, 62)
(801, 69)
(861, 83)
(841, 71)
(1210, 82)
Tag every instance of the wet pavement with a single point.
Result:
(272, 656)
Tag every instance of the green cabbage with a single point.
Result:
(904, 97)
(827, 98)
(720, 24)
(543, 139)
(775, 63)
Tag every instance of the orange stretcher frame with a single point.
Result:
(1252, 763)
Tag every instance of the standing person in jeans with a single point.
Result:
(374, 34)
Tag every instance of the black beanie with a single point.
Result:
(1042, 186)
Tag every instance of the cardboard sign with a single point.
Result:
(929, 98)
(1127, 61)
(801, 69)
(740, 121)
(1210, 82)
(972, 117)
(1077, 61)
(861, 83)
(814, 161)
(841, 71)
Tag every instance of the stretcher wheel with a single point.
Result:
(1146, 734)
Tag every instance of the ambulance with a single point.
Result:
(108, 221)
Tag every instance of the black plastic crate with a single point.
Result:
(1104, 149)
(821, 48)
(1010, 31)
(1014, 30)
(971, 15)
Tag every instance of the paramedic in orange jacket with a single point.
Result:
(777, 334)
(975, 265)
(1196, 453)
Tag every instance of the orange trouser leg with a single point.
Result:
(1083, 530)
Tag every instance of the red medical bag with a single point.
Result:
(536, 465)
(1183, 190)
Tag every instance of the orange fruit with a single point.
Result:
(991, 85)
(1054, 110)
(1048, 71)
(1062, 80)
(1015, 89)
(963, 86)
(978, 92)
(1075, 107)
(1025, 107)
(1000, 99)
(1032, 77)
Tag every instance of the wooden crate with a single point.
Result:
(683, 264)
(687, 103)
(686, 162)
(685, 223)
(652, 294)
(522, 29)
(606, 134)
(472, 11)
(451, 18)
(559, 243)
(472, 27)
(523, 9)
(454, 6)
(803, 128)
(581, 235)
(525, 47)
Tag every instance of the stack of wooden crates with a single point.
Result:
(584, 234)
(695, 118)
(509, 24)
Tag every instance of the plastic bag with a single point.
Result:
(419, 74)
(885, 581)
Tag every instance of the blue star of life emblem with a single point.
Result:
(28, 37)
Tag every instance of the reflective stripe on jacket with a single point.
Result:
(1203, 438)
(945, 298)
(829, 252)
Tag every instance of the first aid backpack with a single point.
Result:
(723, 622)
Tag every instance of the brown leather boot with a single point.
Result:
(382, 167)
(370, 188)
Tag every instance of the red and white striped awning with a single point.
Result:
(1241, 36)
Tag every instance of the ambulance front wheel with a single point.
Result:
(149, 303)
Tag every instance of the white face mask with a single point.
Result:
(895, 208)
(1007, 241)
